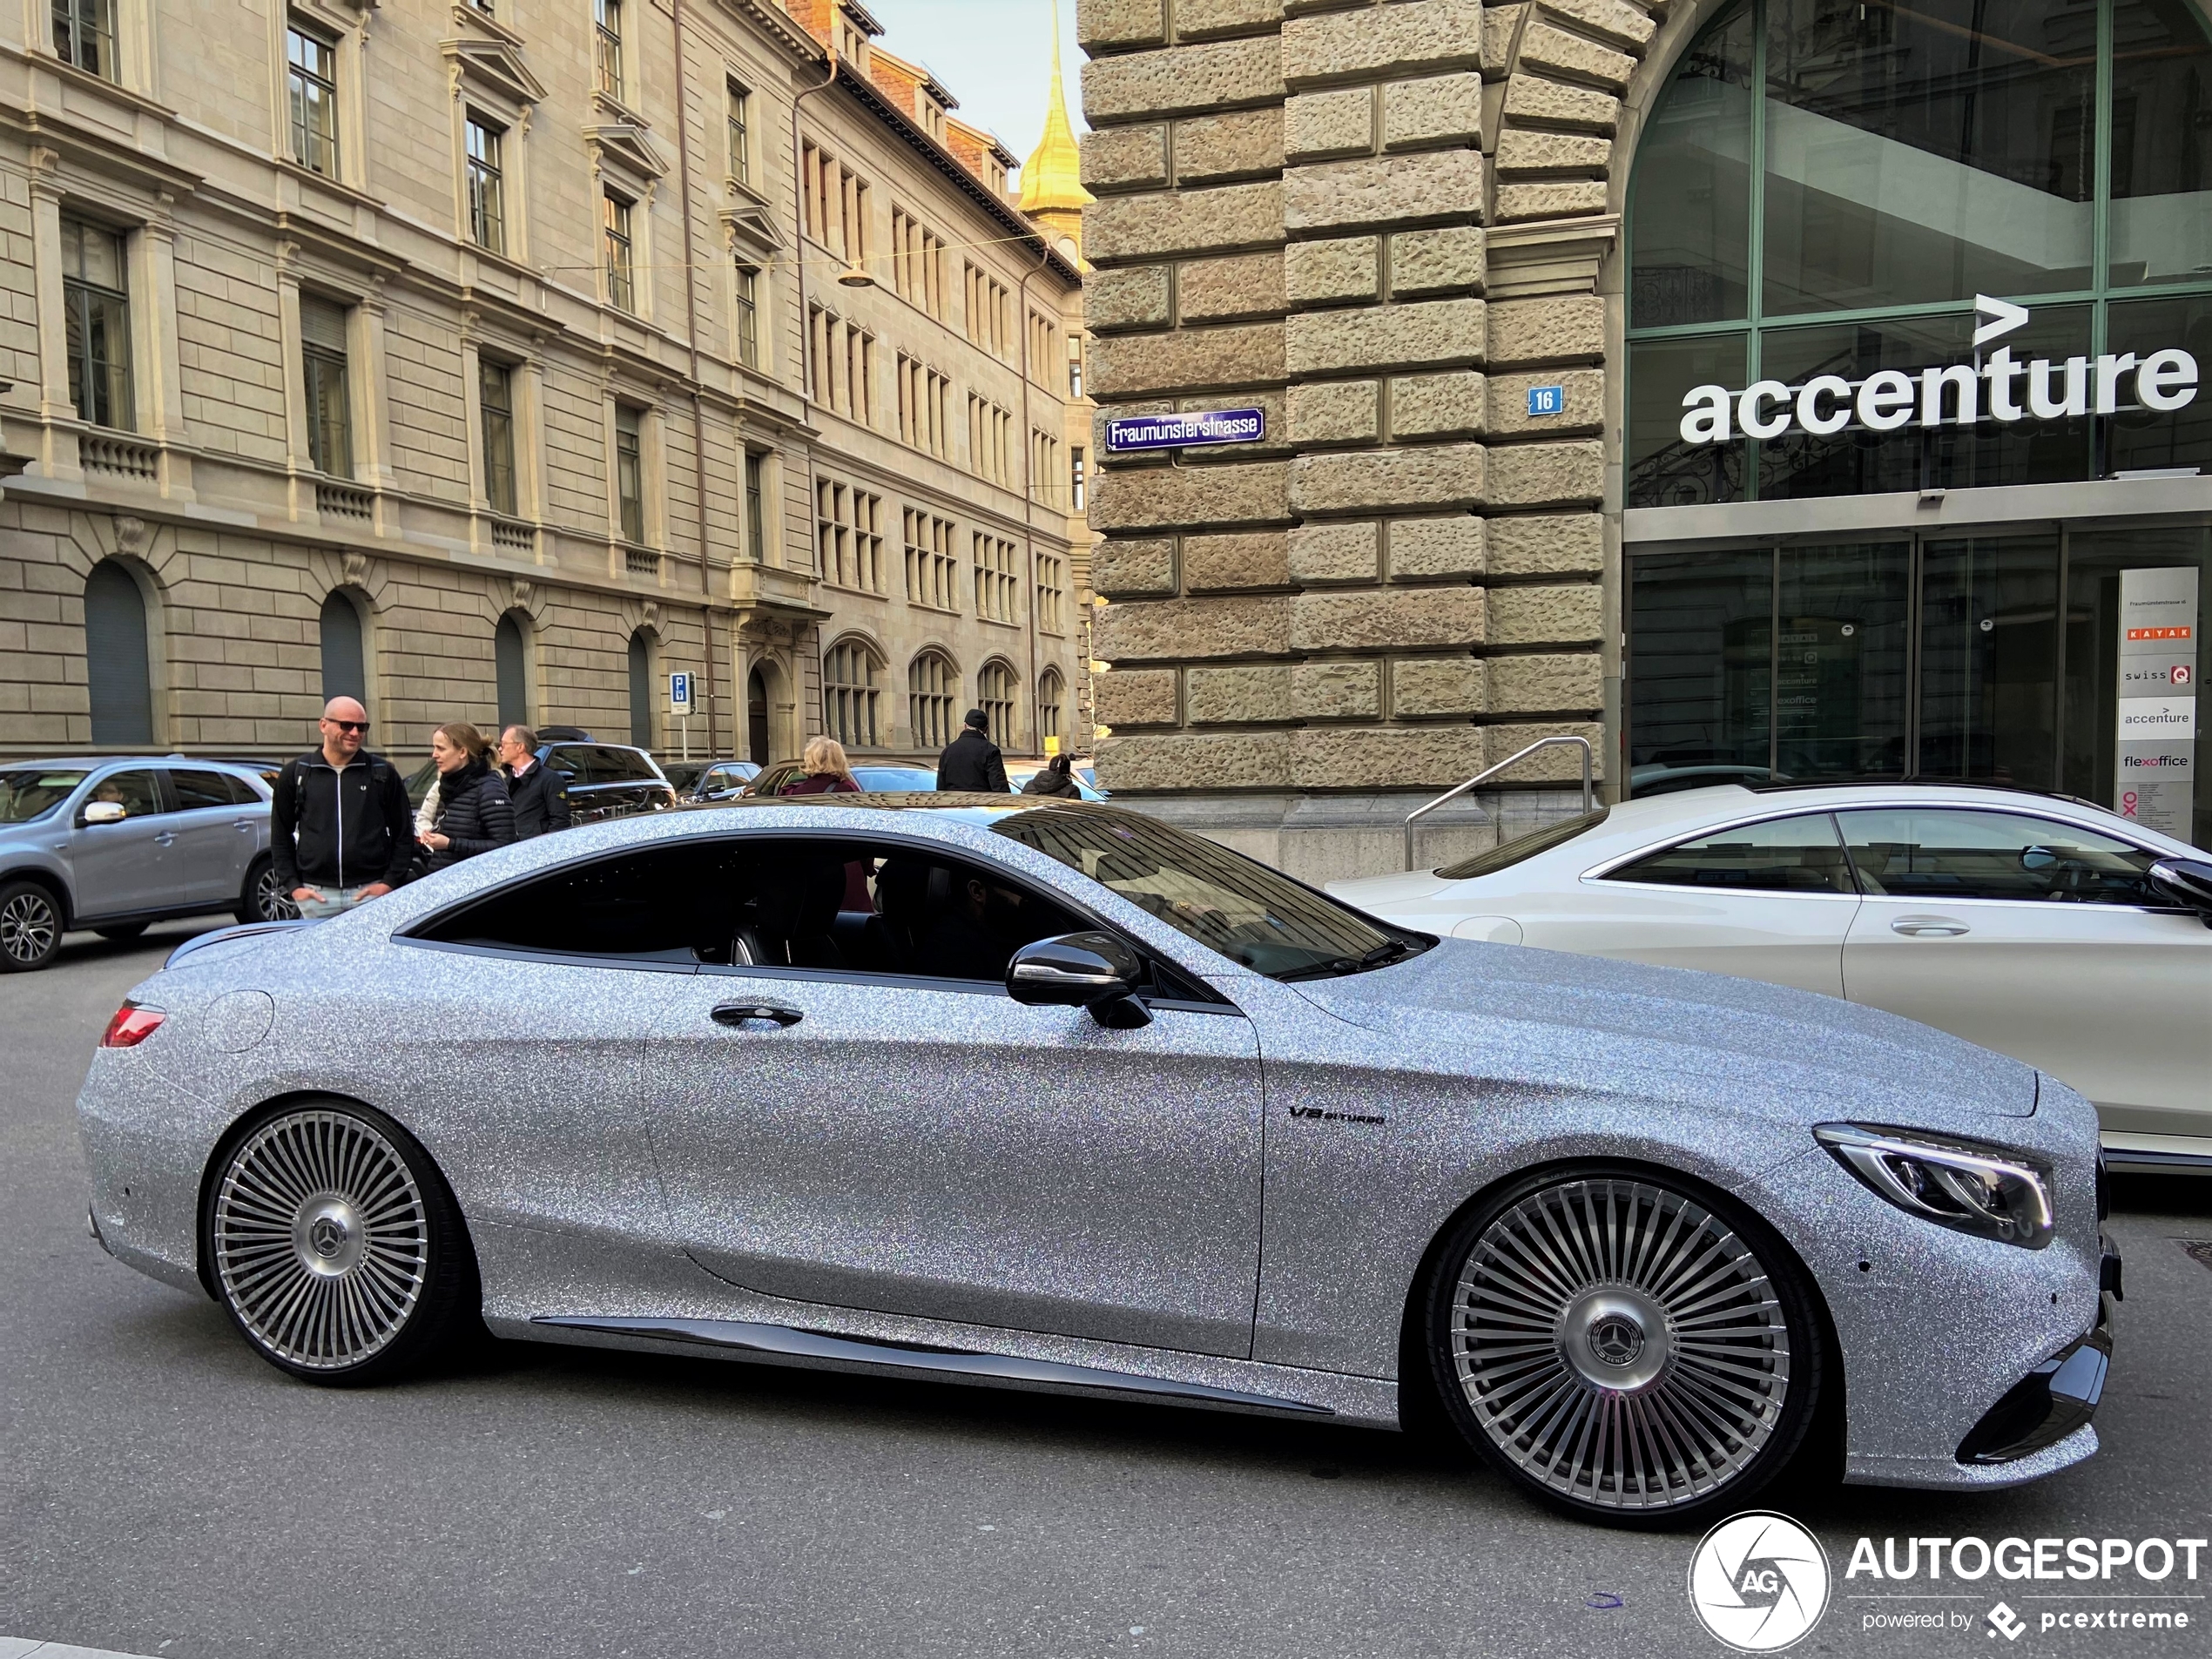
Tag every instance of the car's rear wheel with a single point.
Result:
(31, 926)
(1625, 1346)
(263, 899)
(336, 1246)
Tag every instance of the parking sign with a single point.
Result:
(680, 693)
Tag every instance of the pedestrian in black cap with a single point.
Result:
(972, 761)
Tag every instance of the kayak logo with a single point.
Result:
(1758, 1581)
(1996, 388)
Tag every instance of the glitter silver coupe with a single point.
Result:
(1057, 1096)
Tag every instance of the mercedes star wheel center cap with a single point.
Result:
(1615, 1337)
(328, 1237)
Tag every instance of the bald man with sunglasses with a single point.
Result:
(341, 831)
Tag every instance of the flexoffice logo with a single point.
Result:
(2154, 761)
(2041, 389)
(1758, 1581)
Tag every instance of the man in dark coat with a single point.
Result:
(539, 793)
(339, 827)
(972, 760)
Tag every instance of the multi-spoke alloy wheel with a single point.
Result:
(265, 899)
(330, 1243)
(1620, 1346)
(31, 926)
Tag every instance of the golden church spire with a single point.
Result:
(1052, 187)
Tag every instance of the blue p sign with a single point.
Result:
(680, 693)
(1547, 400)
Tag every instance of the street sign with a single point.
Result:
(1127, 433)
(679, 694)
(1547, 400)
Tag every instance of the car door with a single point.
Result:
(216, 824)
(124, 868)
(894, 1136)
(2039, 938)
(1771, 900)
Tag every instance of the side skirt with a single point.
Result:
(785, 1345)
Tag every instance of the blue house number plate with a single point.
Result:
(1547, 400)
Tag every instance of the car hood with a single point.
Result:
(1590, 1020)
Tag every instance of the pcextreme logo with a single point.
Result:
(1758, 1581)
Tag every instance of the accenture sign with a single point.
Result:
(1998, 388)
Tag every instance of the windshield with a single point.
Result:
(1523, 847)
(1230, 903)
(32, 791)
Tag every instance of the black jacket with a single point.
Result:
(972, 761)
(328, 828)
(1054, 780)
(474, 813)
(541, 800)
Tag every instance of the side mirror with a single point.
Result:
(1090, 970)
(2187, 882)
(105, 811)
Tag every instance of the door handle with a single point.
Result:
(736, 1013)
(1929, 927)
(167, 838)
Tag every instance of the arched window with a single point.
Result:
(345, 668)
(1825, 188)
(994, 696)
(1051, 693)
(510, 662)
(851, 676)
(116, 666)
(641, 690)
(931, 682)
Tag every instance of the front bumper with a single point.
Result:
(2052, 1402)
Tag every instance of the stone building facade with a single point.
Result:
(493, 361)
(1383, 224)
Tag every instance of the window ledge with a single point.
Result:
(84, 78)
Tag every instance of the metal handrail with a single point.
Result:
(1589, 798)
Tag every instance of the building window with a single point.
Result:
(1078, 479)
(606, 51)
(495, 418)
(630, 472)
(85, 35)
(344, 659)
(917, 263)
(925, 399)
(614, 213)
(1051, 590)
(932, 572)
(931, 683)
(740, 132)
(1051, 693)
(1043, 337)
(748, 316)
(118, 669)
(1044, 466)
(850, 691)
(836, 203)
(1075, 366)
(1825, 281)
(847, 536)
(322, 362)
(487, 201)
(994, 696)
(997, 588)
(990, 312)
(991, 433)
(312, 71)
(641, 691)
(97, 321)
(756, 517)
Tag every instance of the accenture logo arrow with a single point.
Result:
(1999, 317)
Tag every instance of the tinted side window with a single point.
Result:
(1782, 855)
(569, 762)
(1935, 854)
(242, 793)
(136, 793)
(618, 767)
(195, 790)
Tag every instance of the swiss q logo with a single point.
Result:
(1759, 1582)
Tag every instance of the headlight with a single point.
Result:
(1988, 1190)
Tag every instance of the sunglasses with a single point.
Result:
(349, 726)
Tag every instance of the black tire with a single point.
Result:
(259, 898)
(31, 926)
(1572, 1342)
(295, 1202)
(122, 932)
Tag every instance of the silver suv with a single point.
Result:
(113, 843)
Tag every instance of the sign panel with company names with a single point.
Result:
(1130, 433)
(2155, 757)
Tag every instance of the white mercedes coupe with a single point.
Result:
(2044, 927)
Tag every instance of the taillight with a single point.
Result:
(132, 1026)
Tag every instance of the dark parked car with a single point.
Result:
(604, 778)
(113, 843)
(709, 779)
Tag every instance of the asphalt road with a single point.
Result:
(163, 1492)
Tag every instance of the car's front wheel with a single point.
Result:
(31, 926)
(336, 1246)
(1625, 1346)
